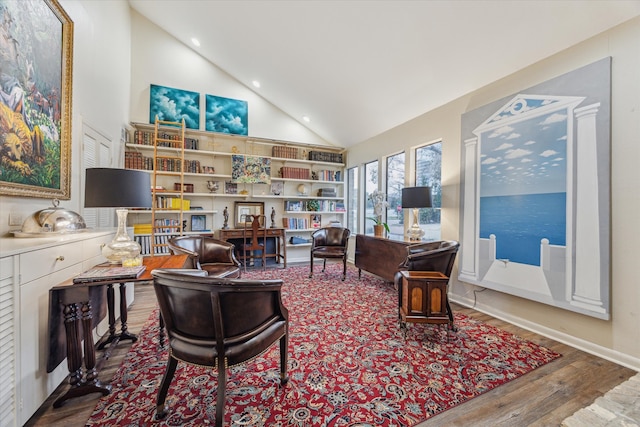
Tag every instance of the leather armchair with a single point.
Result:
(219, 323)
(330, 242)
(430, 256)
(215, 256)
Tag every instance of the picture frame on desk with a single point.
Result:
(198, 222)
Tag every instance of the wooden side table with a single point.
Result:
(424, 299)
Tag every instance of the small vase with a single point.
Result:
(378, 230)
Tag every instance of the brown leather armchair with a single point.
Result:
(431, 256)
(330, 242)
(206, 253)
(219, 323)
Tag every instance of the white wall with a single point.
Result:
(158, 58)
(101, 85)
(619, 338)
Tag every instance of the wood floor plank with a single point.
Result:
(543, 397)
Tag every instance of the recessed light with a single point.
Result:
(306, 118)
(256, 83)
(195, 41)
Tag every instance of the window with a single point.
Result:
(395, 183)
(370, 185)
(428, 168)
(352, 199)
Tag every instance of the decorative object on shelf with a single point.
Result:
(121, 188)
(273, 217)
(208, 170)
(250, 169)
(225, 215)
(313, 205)
(226, 115)
(302, 190)
(51, 221)
(174, 105)
(230, 188)
(40, 61)
(187, 188)
(213, 186)
(235, 150)
(277, 188)
(198, 222)
(380, 204)
(416, 197)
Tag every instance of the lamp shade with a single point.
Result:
(416, 197)
(117, 188)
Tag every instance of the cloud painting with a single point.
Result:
(226, 115)
(173, 105)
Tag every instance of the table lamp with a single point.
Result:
(416, 197)
(121, 189)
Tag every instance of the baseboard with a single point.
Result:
(586, 346)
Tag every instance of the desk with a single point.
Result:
(78, 324)
(380, 256)
(277, 233)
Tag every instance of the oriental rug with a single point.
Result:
(349, 364)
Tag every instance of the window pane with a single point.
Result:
(370, 185)
(395, 183)
(352, 200)
(428, 166)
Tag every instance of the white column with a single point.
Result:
(468, 246)
(587, 289)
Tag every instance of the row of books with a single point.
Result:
(325, 156)
(169, 202)
(135, 160)
(300, 223)
(314, 205)
(141, 137)
(285, 152)
(295, 173)
(145, 244)
(327, 175)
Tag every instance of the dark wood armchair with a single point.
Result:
(330, 243)
(207, 253)
(432, 256)
(219, 323)
(254, 240)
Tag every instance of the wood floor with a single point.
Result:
(544, 397)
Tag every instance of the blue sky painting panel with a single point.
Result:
(226, 115)
(173, 105)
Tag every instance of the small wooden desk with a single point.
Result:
(78, 325)
(277, 233)
(380, 256)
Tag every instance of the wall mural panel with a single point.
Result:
(535, 191)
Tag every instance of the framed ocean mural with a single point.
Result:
(536, 192)
(173, 105)
(36, 60)
(226, 115)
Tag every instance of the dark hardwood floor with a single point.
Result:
(543, 397)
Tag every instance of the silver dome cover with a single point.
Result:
(51, 221)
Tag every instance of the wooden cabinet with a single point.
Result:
(424, 297)
(293, 177)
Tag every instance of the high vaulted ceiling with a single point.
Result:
(358, 68)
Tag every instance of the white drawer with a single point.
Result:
(46, 261)
(6, 267)
(93, 247)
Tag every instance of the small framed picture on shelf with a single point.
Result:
(277, 187)
(230, 188)
(208, 169)
(198, 222)
(316, 221)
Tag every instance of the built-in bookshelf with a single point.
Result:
(308, 174)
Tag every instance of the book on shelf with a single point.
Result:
(104, 273)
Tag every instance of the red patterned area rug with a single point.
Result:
(349, 365)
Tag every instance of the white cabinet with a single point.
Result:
(28, 269)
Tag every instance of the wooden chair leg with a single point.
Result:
(311, 267)
(344, 268)
(161, 412)
(284, 359)
(324, 264)
(222, 385)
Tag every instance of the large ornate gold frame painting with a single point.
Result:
(36, 50)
